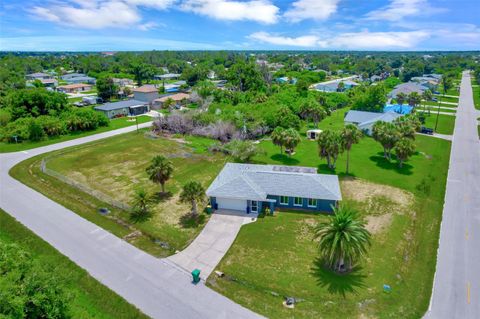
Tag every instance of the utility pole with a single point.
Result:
(438, 113)
(136, 121)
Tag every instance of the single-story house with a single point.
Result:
(174, 87)
(313, 134)
(122, 82)
(82, 79)
(74, 88)
(333, 85)
(407, 88)
(168, 76)
(39, 76)
(250, 188)
(72, 75)
(365, 120)
(179, 99)
(145, 93)
(123, 108)
(375, 78)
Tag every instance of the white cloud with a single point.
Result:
(353, 41)
(399, 9)
(255, 10)
(311, 9)
(98, 14)
(302, 41)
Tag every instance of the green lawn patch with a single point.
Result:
(433, 103)
(90, 299)
(446, 123)
(476, 96)
(116, 167)
(114, 124)
(447, 98)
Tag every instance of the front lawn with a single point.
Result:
(90, 299)
(476, 94)
(116, 168)
(114, 124)
(446, 123)
(277, 257)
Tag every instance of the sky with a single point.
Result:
(135, 25)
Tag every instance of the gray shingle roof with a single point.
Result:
(407, 88)
(119, 105)
(362, 118)
(255, 182)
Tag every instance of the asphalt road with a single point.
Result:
(456, 291)
(157, 287)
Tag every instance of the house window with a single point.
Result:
(312, 202)
(297, 201)
(283, 200)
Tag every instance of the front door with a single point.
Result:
(254, 207)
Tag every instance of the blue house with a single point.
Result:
(251, 188)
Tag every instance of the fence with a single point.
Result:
(95, 193)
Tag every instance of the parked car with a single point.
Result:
(426, 130)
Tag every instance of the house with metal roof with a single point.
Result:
(250, 188)
(123, 108)
(407, 88)
(365, 120)
(333, 85)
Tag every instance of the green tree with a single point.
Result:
(160, 170)
(427, 96)
(386, 134)
(287, 119)
(106, 89)
(401, 98)
(141, 72)
(414, 99)
(350, 135)
(193, 192)
(242, 151)
(35, 102)
(245, 76)
(404, 148)
(311, 110)
(278, 137)
(302, 87)
(168, 103)
(343, 239)
(330, 146)
(292, 139)
(372, 100)
(142, 201)
(447, 83)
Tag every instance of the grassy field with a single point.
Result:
(90, 299)
(447, 98)
(433, 103)
(476, 94)
(116, 167)
(446, 123)
(114, 124)
(276, 256)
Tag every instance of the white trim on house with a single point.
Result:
(313, 200)
(282, 202)
(301, 201)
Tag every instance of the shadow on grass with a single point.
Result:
(161, 196)
(340, 284)
(284, 159)
(192, 221)
(382, 162)
(140, 217)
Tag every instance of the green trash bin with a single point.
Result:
(196, 275)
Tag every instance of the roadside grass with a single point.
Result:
(277, 257)
(114, 124)
(116, 167)
(75, 99)
(451, 91)
(476, 96)
(90, 299)
(433, 103)
(447, 98)
(446, 123)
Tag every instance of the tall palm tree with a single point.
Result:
(427, 96)
(350, 135)
(192, 193)
(404, 149)
(414, 99)
(160, 170)
(401, 98)
(343, 240)
(278, 137)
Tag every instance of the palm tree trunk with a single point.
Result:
(194, 207)
(348, 159)
(163, 187)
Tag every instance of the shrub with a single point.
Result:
(84, 120)
(52, 126)
(5, 117)
(35, 131)
(18, 128)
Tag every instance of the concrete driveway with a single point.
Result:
(157, 287)
(206, 251)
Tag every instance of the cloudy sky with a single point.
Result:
(100, 25)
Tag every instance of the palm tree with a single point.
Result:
(350, 135)
(141, 205)
(386, 134)
(330, 146)
(343, 240)
(404, 149)
(160, 170)
(292, 139)
(401, 98)
(414, 99)
(278, 137)
(192, 193)
(427, 96)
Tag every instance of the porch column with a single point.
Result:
(272, 207)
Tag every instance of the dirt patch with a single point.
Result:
(376, 224)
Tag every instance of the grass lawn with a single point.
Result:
(447, 98)
(277, 256)
(75, 99)
(446, 123)
(114, 124)
(116, 167)
(433, 103)
(476, 95)
(90, 299)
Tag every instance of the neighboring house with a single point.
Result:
(145, 93)
(407, 88)
(250, 188)
(211, 75)
(49, 83)
(365, 120)
(122, 82)
(74, 78)
(287, 80)
(174, 87)
(179, 99)
(219, 83)
(168, 76)
(333, 85)
(123, 108)
(429, 82)
(74, 88)
(375, 78)
(39, 76)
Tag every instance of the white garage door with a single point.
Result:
(234, 204)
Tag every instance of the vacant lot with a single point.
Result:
(90, 299)
(116, 167)
(446, 123)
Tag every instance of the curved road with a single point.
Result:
(156, 286)
(456, 292)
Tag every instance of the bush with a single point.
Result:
(52, 126)
(18, 128)
(35, 131)
(84, 120)
(35, 102)
(5, 117)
